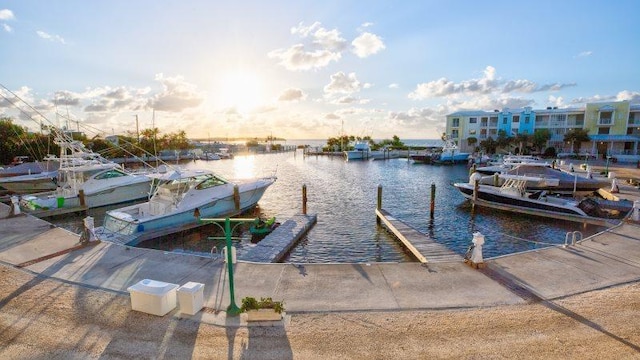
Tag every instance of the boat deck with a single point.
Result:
(280, 241)
(425, 249)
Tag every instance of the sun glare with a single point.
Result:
(240, 89)
(244, 167)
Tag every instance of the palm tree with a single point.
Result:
(576, 137)
(540, 138)
(523, 140)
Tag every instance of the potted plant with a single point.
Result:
(264, 310)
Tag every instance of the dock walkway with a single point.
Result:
(276, 245)
(419, 244)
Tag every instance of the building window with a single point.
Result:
(484, 121)
(603, 130)
(473, 120)
(504, 120)
(454, 134)
(455, 122)
(526, 119)
(472, 132)
(606, 118)
(516, 118)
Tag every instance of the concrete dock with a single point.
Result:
(275, 246)
(607, 259)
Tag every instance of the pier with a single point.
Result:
(421, 246)
(280, 241)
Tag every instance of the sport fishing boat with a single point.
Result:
(514, 196)
(87, 179)
(362, 151)
(179, 198)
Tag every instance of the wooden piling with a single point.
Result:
(81, 196)
(496, 179)
(304, 199)
(433, 200)
(236, 197)
(475, 193)
(379, 205)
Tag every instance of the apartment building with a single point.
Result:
(613, 127)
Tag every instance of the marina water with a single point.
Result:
(344, 195)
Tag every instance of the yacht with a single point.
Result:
(180, 198)
(87, 179)
(362, 151)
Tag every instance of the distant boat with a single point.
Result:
(210, 156)
(509, 162)
(362, 151)
(450, 153)
(179, 198)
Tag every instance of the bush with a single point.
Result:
(250, 303)
(550, 152)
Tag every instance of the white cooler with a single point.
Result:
(191, 297)
(153, 297)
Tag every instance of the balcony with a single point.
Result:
(605, 121)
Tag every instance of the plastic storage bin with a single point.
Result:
(191, 297)
(153, 297)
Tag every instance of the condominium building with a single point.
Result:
(613, 127)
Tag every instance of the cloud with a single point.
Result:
(342, 83)
(488, 84)
(7, 28)
(54, 38)
(322, 47)
(632, 96)
(367, 44)
(177, 95)
(6, 14)
(331, 116)
(585, 54)
(65, 98)
(590, 99)
(394, 86)
(292, 94)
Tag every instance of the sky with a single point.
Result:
(308, 69)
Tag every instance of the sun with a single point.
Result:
(240, 89)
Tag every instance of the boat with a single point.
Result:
(425, 158)
(509, 162)
(210, 156)
(541, 176)
(362, 151)
(86, 179)
(448, 154)
(224, 153)
(261, 226)
(514, 196)
(179, 198)
(30, 177)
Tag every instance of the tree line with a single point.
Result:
(528, 143)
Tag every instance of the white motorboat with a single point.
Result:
(210, 156)
(31, 177)
(514, 196)
(541, 176)
(450, 153)
(362, 151)
(179, 198)
(509, 162)
(102, 182)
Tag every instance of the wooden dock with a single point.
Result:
(42, 213)
(420, 245)
(276, 245)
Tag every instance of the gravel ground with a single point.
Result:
(42, 318)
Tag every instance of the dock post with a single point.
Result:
(304, 199)
(475, 193)
(496, 179)
(379, 205)
(433, 199)
(236, 197)
(81, 196)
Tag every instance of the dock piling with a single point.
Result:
(304, 199)
(433, 200)
(236, 197)
(379, 204)
(81, 196)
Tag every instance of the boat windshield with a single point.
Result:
(210, 182)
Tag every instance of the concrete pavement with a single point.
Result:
(607, 259)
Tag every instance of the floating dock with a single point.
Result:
(276, 245)
(420, 245)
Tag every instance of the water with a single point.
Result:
(344, 194)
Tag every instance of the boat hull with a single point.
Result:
(119, 229)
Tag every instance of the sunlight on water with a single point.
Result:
(244, 167)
